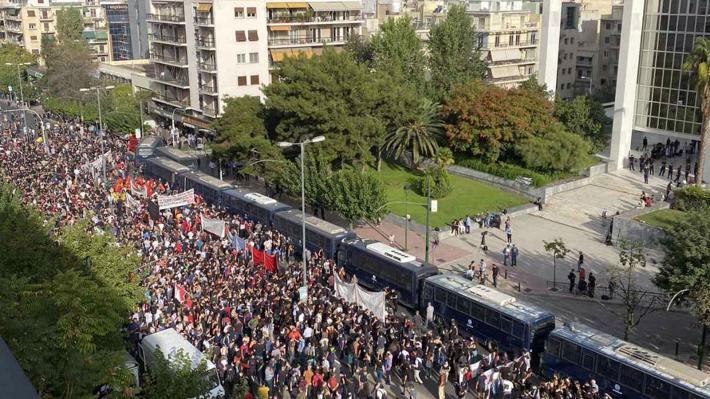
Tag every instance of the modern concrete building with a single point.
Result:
(609, 43)
(654, 97)
(508, 34)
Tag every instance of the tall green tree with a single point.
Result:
(176, 378)
(14, 54)
(357, 195)
(70, 24)
(397, 49)
(454, 58)
(360, 49)
(329, 95)
(418, 136)
(558, 249)
(686, 265)
(585, 117)
(317, 183)
(554, 149)
(697, 63)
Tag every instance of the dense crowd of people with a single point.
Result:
(249, 320)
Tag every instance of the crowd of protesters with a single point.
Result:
(250, 320)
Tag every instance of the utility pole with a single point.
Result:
(101, 125)
(428, 218)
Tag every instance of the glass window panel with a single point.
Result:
(518, 329)
(493, 318)
(451, 300)
(440, 295)
(608, 368)
(632, 378)
(672, 21)
(656, 389)
(477, 311)
(506, 325)
(588, 358)
(571, 352)
(553, 347)
(678, 393)
(462, 304)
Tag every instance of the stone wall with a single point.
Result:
(626, 228)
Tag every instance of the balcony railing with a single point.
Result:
(526, 43)
(165, 18)
(289, 19)
(173, 100)
(204, 21)
(167, 38)
(169, 58)
(209, 89)
(175, 80)
(279, 41)
(209, 110)
(205, 42)
(207, 66)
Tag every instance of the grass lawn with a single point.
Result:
(663, 219)
(467, 197)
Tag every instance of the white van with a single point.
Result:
(170, 342)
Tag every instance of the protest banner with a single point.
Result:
(257, 256)
(214, 226)
(177, 200)
(270, 263)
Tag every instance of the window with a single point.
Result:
(238, 12)
(477, 312)
(462, 304)
(241, 58)
(553, 347)
(241, 36)
(518, 329)
(608, 368)
(32, 26)
(657, 389)
(30, 13)
(506, 325)
(253, 36)
(493, 318)
(251, 12)
(253, 58)
(35, 51)
(566, 40)
(44, 14)
(440, 295)
(33, 38)
(451, 301)
(632, 378)
(606, 40)
(571, 40)
(564, 56)
(254, 79)
(608, 26)
(46, 27)
(588, 360)
(571, 352)
(242, 80)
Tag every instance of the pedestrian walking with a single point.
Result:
(494, 270)
(592, 284)
(514, 256)
(580, 261)
(509, 234)
(571, 277)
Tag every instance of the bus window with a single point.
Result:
(427, 294)
(462, 304)
(518, 330)
(608, 368)
(632, 378)
(657, 389)
(506, 325)
(553, 347)
(588, 359)
(679, 393)
(493, 318)
(441, 295)
(451, 300)
(571, 352)
(477, 311)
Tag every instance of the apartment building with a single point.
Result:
(25, 23)
(204, 52)
(609, 43)
(508, 35)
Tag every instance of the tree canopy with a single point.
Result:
(397, 49)
(14, 54)
(586, 118)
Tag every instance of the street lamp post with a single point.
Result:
(101, 125)
(406, 214)
(22, 96)
(428, 224)
(302, 144)
(41, 122)
(701, 347)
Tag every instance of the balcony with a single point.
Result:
(209, 110)
(13, 29)
(168, 59)
(168, 39)
(205, 42)
(208, 89)
(10, 17)
(204, 21)
(207, 66)
(527, 43)
(174, 101)
(177, 81)
(175, 19)
(299, 41)
(289, 19)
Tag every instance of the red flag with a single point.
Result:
(270, 263)
(180, 292)
(257, 256)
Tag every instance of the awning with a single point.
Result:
(276, 5)
(352, 5)
(101, 35)
(505, 71)
(204, 7)
(279, 55)
(297, 5)
(279, 28)
(505, 55)
(305, 51)
(327, 6)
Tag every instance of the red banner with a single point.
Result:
(257, 256)
(270, 263)
(180, 293)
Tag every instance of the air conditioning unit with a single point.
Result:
(260, 199)
(390, 252)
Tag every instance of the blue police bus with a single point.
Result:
(147, 148)
(256, 206)
(319, 233)
(621, 369)
(488, 314)
(208, 187)
(178, 156)
(378, 265)
(166, 170)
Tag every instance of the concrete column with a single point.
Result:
(550, 43)
(625, 102)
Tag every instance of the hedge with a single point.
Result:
(691, 197)
(511, 172)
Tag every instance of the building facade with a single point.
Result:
(609, 44)
(654, 97)
(508, 37)
(119, 30)
(204, 52)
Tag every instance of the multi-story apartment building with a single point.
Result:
(206, 51)
(508, 33)
(609, 43)
(26, 22)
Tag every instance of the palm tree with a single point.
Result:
(418, 136)
(697, 63)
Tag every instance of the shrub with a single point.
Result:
(438, 181)
(511, 172)
(556, 150)
(691, 197)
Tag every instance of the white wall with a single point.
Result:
(550, 43)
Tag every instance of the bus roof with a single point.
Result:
(390, 253)
(169, 164)
(491, 297)
(178, 155)
(150, 141)
(257, 198)
(313, 222)
(631, 354)
(170, 342)
(208, 180)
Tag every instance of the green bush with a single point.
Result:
(437, 180)
(690, 198)
(511, 172)
(556, 150)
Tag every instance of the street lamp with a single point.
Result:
(173, 131)
(701, 347)
(302, 144)
(101, 126)
(22, 96)
(41, 122)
